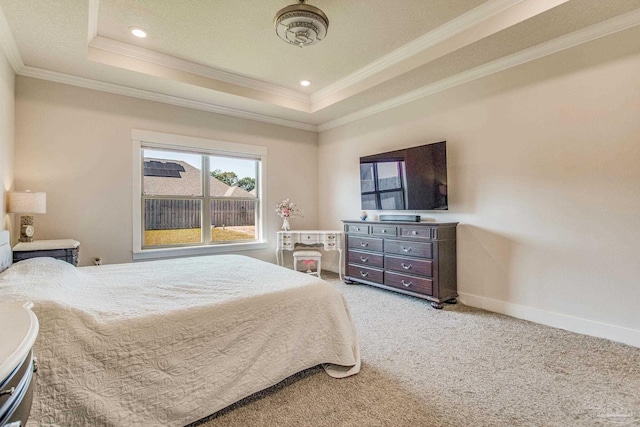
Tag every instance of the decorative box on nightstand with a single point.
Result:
(64, 249)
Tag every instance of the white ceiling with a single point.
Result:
(224, 55)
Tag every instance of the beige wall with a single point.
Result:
(544, 178)
(75, 144)
(7, 128)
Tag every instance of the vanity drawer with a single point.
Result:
(384, 230)
(364, 273)
(366, 258)
(365, 243)
(419, 267)
(309, 239)
(416, 232)
(357, 229)
(409, 248)
(286, 244)
(409, 283)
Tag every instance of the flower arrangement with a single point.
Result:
(287, 209)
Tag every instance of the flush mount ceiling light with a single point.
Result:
(301, 24)
(305, 83)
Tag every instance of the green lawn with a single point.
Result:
(192, 235)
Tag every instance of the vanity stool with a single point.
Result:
(307, 257)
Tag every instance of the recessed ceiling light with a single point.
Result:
(138, 32)
(305, 83)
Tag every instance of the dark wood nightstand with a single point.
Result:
(64, 249)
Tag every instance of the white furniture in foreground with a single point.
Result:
(17, 335)
(308, 256)
(329, 240)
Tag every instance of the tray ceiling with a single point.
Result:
(224, 56)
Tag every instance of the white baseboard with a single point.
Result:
(557, 320)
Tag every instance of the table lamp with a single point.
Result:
(27, 203)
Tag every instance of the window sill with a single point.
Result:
(148, 254)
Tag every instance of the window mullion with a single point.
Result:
(206, 201)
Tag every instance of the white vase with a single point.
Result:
(285, 224)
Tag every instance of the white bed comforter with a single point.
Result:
(165, 343)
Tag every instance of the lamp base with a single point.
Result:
(26, 228)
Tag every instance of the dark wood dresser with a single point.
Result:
(414, 258)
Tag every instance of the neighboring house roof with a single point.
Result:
(178, 178)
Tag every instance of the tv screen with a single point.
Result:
(408, 179)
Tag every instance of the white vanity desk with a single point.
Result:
(331, 240)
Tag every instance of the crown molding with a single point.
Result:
(148, 55)
(9, 45)
(56, 77)
(429, 40)
(585, 35)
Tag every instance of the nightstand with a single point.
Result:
(64, 249)
(17, 364)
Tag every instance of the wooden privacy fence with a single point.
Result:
(165, 214)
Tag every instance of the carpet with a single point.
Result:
(459, 366)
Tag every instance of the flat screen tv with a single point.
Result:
(409, 179)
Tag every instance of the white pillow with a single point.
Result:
(38, 267)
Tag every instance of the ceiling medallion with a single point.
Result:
(301, 24)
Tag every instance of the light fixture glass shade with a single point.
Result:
(301, 24)
(27, 202)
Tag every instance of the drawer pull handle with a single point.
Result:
(363, 259)
(406, 249)
(384, 231)
(414, 232)
(405, 266)
(9, 392)
(364, 244)
(407, 284)
(357, 228)
(364, 273)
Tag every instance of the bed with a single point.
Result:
(165, 343)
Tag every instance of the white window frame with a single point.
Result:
(157, 140)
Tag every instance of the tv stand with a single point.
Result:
(417, 259)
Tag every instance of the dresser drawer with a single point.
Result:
(16, 406)
(363, 273)
(357, 229)
(420, 267)
(416, 232)
(409, 248)
(366, 258)
(365, 243)
(409, 283)
(384, 230)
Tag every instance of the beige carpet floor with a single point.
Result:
(459, 366)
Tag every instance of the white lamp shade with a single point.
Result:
(27, 202)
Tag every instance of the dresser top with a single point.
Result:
(422, 223)
(17, 334)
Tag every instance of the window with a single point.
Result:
(195, 196)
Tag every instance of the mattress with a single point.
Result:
(165, 343)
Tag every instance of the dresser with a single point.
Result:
(17, 364)
(413, 258)
(62, 249)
